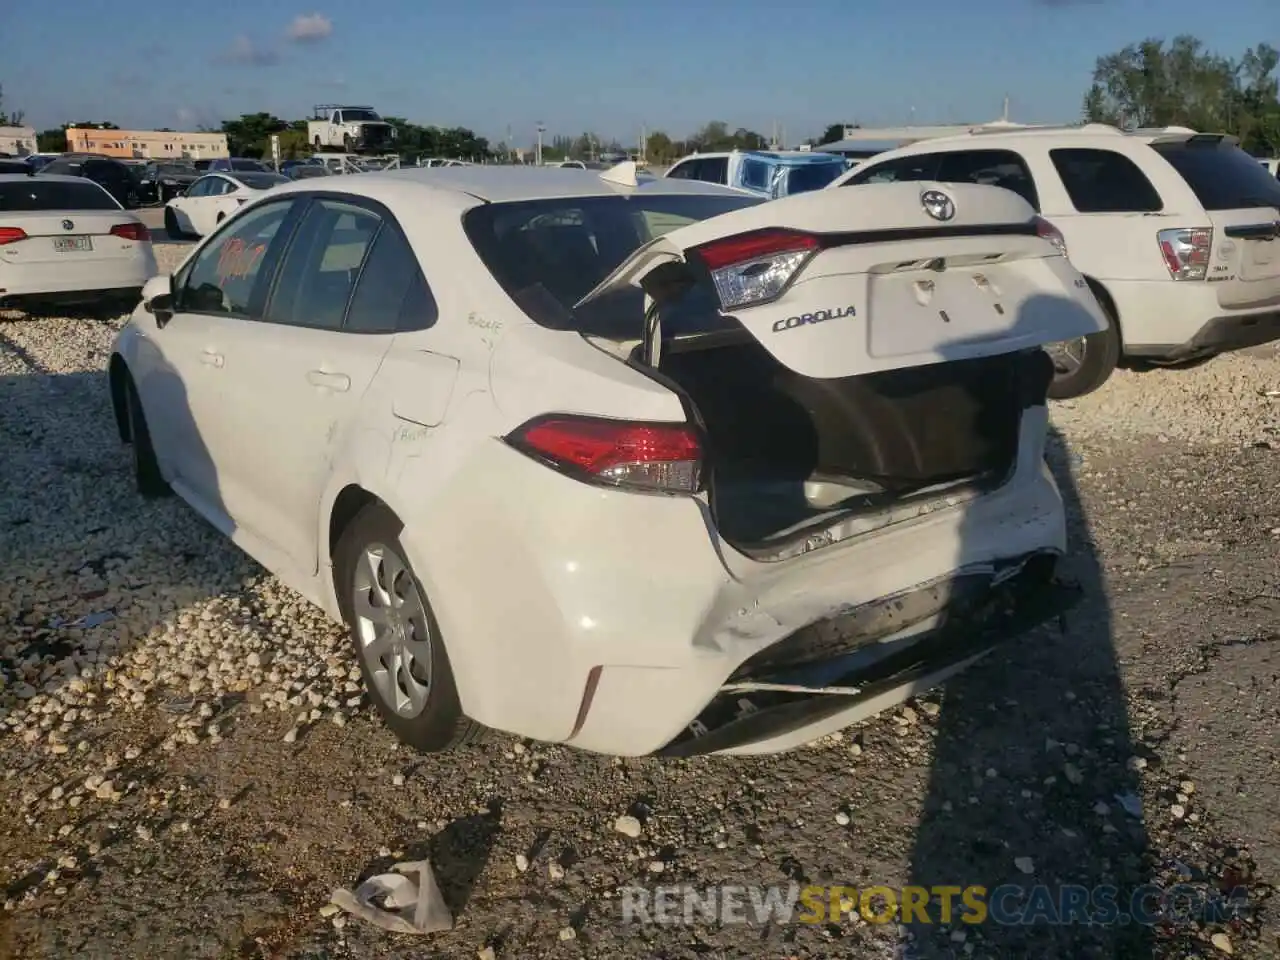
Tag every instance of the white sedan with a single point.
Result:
(636, 465)
(66, 241)
(213, 198)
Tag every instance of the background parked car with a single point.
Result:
(13, 166)
(66, 240)
(306, 171)
(233, 164)
(766, 173)
(110, 174)
(212, 199)
(163, 180)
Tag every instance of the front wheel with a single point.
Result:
(146, 468)
(1083, 365)
(396, 637)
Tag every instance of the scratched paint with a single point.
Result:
(237, 259)
(483, 323)
(410, 434)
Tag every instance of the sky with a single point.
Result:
(613, 67)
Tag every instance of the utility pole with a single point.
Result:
(644, 144)
(538, 155)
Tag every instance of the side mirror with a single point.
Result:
(157, 298)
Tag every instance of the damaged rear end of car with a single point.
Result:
(863, 383)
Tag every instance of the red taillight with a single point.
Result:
(1186, 251)
(746, 247)
(12, 234)
(131, 231)
(660, 457)
(1047, 231)
(757, 267)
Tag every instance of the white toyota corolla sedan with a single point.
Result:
(637, 465)
(213, 198)
(66, 241)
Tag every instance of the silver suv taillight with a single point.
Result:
(1186, 251)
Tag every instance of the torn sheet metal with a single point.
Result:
(407, 907)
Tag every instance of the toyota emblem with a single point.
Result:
(938, 205)
(68, 225)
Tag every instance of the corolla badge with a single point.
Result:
(68, 225)
(938, 205)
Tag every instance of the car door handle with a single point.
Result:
(338, 382)
(212, 358)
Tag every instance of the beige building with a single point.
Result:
(147, 144)
(17, 141)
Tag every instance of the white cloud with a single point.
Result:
(309, 28)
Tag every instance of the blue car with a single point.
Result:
(765, 173)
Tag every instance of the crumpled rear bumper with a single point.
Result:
(976, 614)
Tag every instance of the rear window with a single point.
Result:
(548, 254)
(35, 195)
(1223, 177)
(812, 176)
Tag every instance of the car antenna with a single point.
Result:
(624, 174)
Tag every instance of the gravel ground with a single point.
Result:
(193, 776)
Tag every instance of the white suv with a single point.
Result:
(1175, 231)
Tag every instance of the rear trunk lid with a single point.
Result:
(67, 237)
(1242, 206)
(865, 280)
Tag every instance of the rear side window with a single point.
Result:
(391, 295)
(712, 170)
(682, 171)
(35, 195)
(1103, 181)
(1222, 176)
(992, 168)
(319, 270)
(923, 166)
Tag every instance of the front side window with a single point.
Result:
(320, 268)
(755, 174)
(223, 276)
(712, 170)
(1103, 181)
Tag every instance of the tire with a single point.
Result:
(346, 143)
(146, 469)
(317, 144)
(171, 225)
(221, 217)
(431, 720)
(1092, 359)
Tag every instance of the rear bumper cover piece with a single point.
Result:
(979, 614)
(1219, 335)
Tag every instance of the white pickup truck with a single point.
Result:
(349, 129)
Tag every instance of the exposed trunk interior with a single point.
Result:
(789, 455)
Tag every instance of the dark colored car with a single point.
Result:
(235, 165)
(306, 171)
(13, 166)
(38, 162)
(162, 180)
(112, 175)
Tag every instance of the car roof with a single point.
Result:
(42, 177)
(506, 184)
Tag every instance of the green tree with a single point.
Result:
(53, 140)
(658, 148)
(1182, 83)
(833, 133)
(250, 135)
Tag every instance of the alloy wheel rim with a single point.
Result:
(1067, 356)
(392, 630)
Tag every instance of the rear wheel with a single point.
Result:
(146, 468)
(317, 143)
(396, 638)
(171, 225)
(1083, 365)
(346, 142)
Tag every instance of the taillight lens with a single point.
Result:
(1186, 251)
(12, 234)
(131, 231)
(757, 267)
(1047, 231)
(657, 457)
